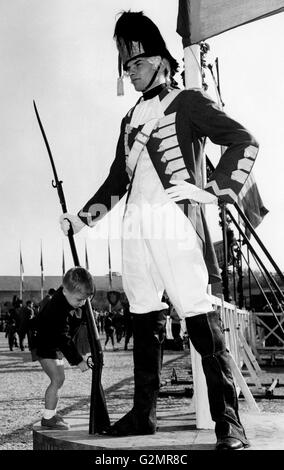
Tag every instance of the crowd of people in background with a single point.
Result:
(117, 326)
(114, 324)
(18, 323)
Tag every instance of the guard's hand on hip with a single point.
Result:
(67, 220)
(184, 190)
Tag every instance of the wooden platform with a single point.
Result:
(177, 431)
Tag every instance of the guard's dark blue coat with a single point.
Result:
(176, 150)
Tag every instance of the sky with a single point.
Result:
(61, 53)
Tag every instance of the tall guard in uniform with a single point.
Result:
(165, 242)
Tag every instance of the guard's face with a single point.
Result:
(140, 71)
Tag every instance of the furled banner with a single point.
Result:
(201, 19)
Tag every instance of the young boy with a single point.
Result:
(53, 339)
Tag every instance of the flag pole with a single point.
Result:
(21, 274)
(41, 272)
(249, 278)
(223, 207)
(109, 266)
(109, 270)
(193, 79)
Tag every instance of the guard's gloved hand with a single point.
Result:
(184, 190)
(75, 221)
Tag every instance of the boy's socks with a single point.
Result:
(47, 414)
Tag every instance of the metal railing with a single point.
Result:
(235, 321)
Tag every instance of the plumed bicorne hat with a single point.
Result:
(137, 36)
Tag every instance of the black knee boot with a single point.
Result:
(148, 336)
(206, 335)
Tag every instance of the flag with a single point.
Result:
(21, 275)
(41, 272)
(251, 204)
(86, 257)
(201, 19)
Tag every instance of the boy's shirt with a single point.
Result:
(53, 329)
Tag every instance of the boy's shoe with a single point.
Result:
(56, 422)
(60, 419)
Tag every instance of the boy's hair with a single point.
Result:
(79, 279)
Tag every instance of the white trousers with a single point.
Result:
(161, 251)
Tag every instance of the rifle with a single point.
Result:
(99, 418)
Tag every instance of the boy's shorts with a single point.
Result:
(37, 355)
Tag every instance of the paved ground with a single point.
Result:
(23, 384)
(22, 387)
